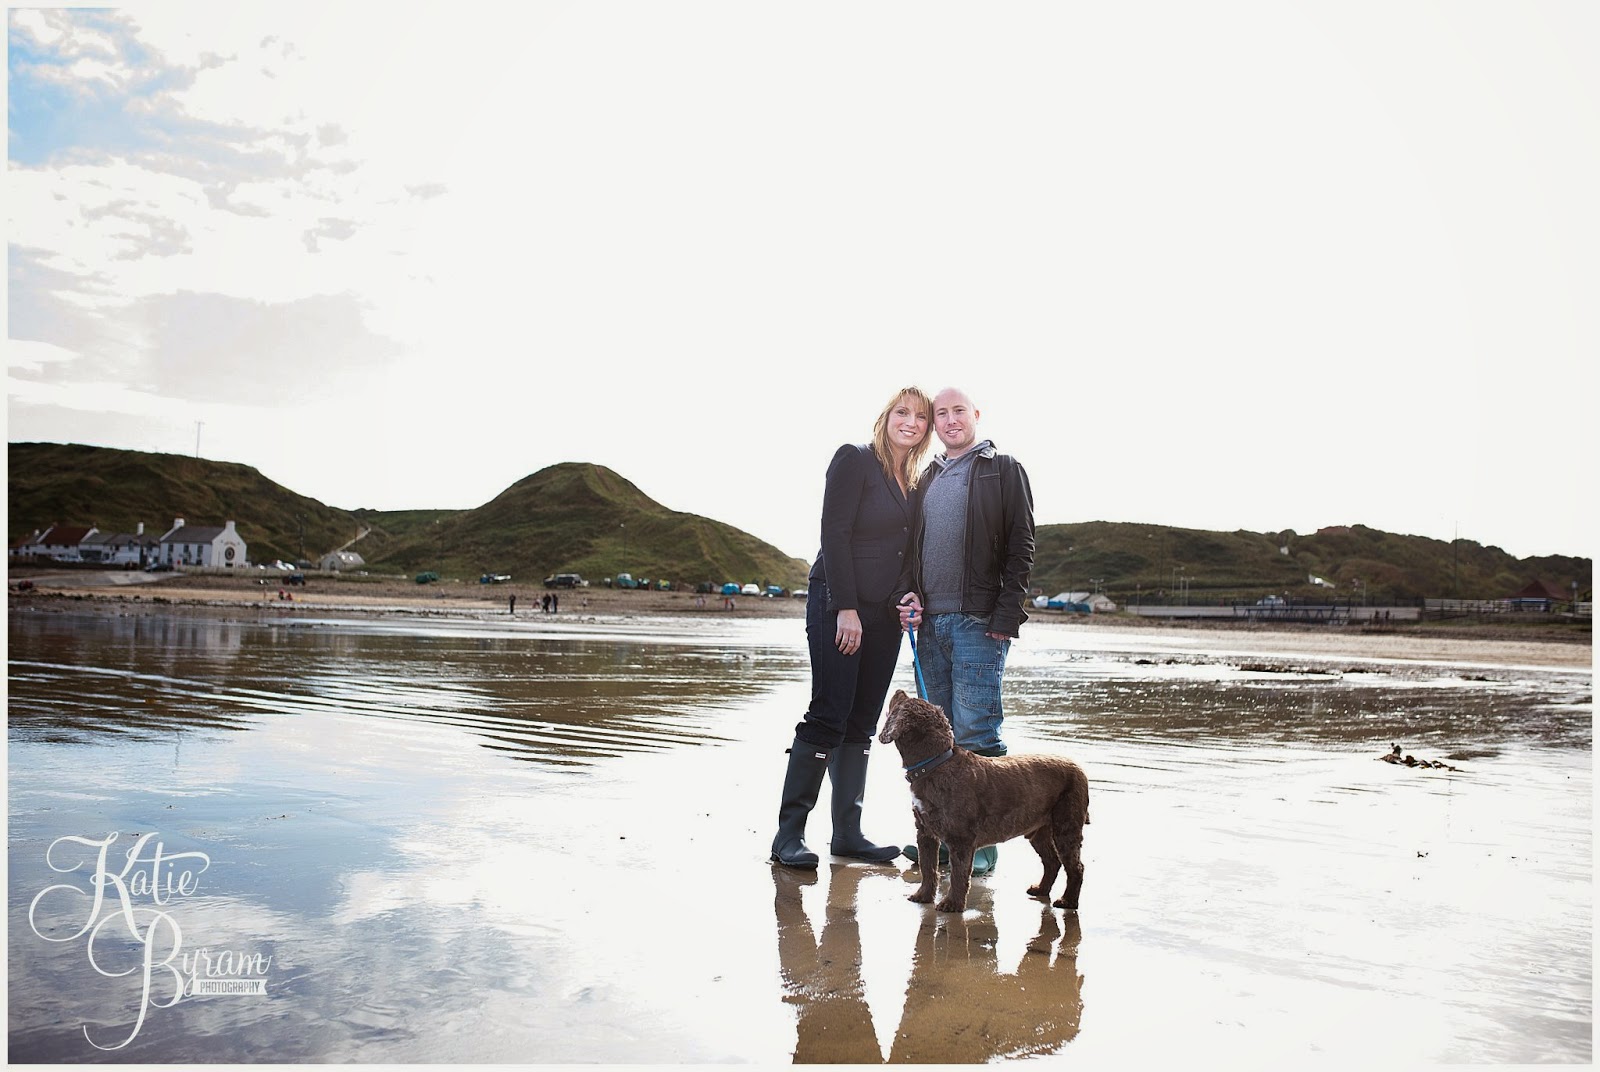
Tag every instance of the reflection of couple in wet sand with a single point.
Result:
(960, 1007)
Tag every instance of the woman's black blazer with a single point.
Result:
(866, 529)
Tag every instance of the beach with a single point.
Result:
(365, 596)
(435, 831)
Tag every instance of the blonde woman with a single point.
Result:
(853, 628)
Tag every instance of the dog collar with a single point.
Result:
(917, 770)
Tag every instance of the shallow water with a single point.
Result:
(536, 841)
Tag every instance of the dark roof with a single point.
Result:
(66, 534)
(194, 534)
(123, 538)
(1540, 590)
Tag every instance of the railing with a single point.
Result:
(1442, 609)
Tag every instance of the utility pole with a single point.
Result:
(1455, 559)
(197, 426)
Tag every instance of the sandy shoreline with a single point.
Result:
(433, 816)
(366, 597)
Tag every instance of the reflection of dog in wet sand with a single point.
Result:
(967, 800)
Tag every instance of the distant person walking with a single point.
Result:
(852, 631)
(513, 603)
(971, 555)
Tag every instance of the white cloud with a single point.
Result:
(28, 358)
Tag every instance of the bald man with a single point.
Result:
(966, 578)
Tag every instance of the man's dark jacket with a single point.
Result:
(999, 542)
(866, 529)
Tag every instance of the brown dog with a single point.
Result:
(967, 800)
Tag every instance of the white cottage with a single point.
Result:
(205, 546)
(121, 548)
(60, 542)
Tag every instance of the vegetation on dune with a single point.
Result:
(115, 490)
(587, 519)
(568, 518)
(582, 518)
(1155, 563)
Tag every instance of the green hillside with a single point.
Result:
(567, 518)
(1153, 563)
(581, 518)
(114, 490)
(586, 519)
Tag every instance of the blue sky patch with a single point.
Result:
(53, 115)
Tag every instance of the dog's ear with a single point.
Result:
(891, 725)
(898, 699)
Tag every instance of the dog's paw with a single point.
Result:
(1039, 892)
(1062, 903)
(919, 897)
(948, 905)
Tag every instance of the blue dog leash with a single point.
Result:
(916, 664)
(917, 770)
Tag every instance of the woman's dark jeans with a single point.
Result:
(847, 691)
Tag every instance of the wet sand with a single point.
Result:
(472, 837)
(358, 596)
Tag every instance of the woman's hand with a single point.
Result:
(847, 635)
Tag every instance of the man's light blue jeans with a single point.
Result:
(961, 669)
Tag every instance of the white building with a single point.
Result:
(60, 542)
(334, 561)
(121, 548)
(205, 546)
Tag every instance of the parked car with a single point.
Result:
(625, 580)
(801, 593)
(774, 590)
(427, 577)
(565, 580)
(731, 588)
(494, 578)
(295, 578)
(751, 589)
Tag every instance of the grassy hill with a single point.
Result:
(586, 519)
(566, 518)
(114, 490)
(1151, 562)
(581, 518)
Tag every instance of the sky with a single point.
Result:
(1223, 266)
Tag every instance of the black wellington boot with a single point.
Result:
(848, 772)
(801, 784)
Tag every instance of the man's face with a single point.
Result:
(956, 421)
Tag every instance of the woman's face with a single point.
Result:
(908, 424)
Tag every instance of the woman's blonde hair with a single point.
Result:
(915, 456)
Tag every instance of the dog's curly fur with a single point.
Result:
(971, 800)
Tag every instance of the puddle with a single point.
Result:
(470, 842)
